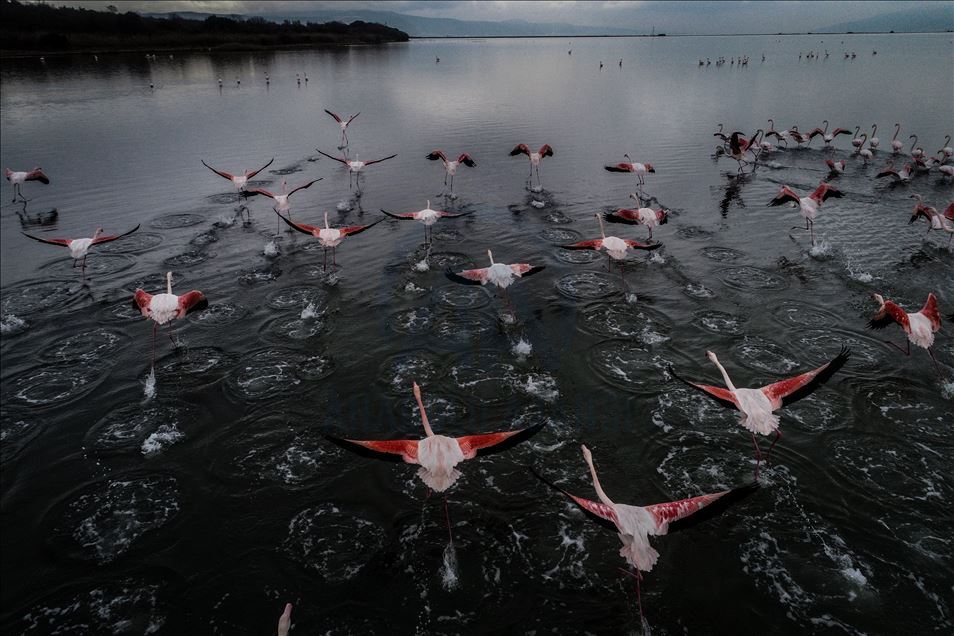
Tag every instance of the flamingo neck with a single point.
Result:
(428, 207)
(897, 129)
(602, 233)
(596, 484)
(169, 283)
(725, 375)
(420, 405)
(826, 125)
(913, 143)
(491, 256)
(327, 227)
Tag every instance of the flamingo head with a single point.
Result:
(879, 299)
(662, 216)
(649, 168)
(712, 357)
(417, 391)
(587, 455)
(168, 282)
(490, 256)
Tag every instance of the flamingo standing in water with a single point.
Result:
(739, 145)
(916, 153)
(900, 176)
(535, 159)
(163, 308)
(500, 275)
(809, 205)
(896, 144)
(835, 167)
(79, 247)
(427, 216)
(615, 247)
(355, 167)
(919, 326)
(450, 167)
(947, 151)
(865, 153)
(638, 169)
(437, 455)
(874, 142)
(240, 180)
(640, 216)
(756, 407)
(343, 123)
(18, 178)
(636, 523)
(936, 221)
(328, 236)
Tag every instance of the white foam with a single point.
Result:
(821, 249)
(12, 324)
(947, 390)
(149, 386)
(422, 266)
(522, 349)
(449, 576)
(657, 258)
(271, 249)
(343, 206)
(539, 385)
(309, 312)
(223, 220)
(537, 204)
(631, 298)
(166, 435)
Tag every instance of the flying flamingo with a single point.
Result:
(18, 178)
(798, 137)
(355, 166)
(284, 621)
(437, 455)
(825, 135)
(343, 123)
(809, 205)
(920, 326)
(79, 247)
(947, 151)
(739, 145)
(281, 200)
(900, 176)
(239, 180)
(781, 136)
(499, 274)
(328, 236)
(164, 308)
(636, 523)
(936, 221)
(896, 144)
(535, 159)
(874, 142)
(916, 153)
(757, 406)
(427, 216)
(450, 167)
(615, 247)
(835, 167)
(640, 216)
(638, 169)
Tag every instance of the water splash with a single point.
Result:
(271, 249)
(422, 266)
(449, 576)
(12, 324)
(856, 274)
(537, 204)
(309, 312)
(149, 386)
(343, 206)
(223, 220)
(631, 298)
(821, 250)
(521, 349)
(166, 435)
(657, 258)
(947, 390)
(536, 188)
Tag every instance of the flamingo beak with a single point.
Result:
(914, 217)
(665, 219)
(651, 169)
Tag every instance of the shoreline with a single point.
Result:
(240, 48)
(668, 35)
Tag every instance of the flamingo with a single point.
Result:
(825, 135)
(437, 455)
(328, 236)
(239, 180)
(343, 123)
(798, 137)
(916, 153)
(284, 621)
(638, 169)
(857, 142)
(615, 247)
(757, 406)
(947, 171)
(535, 158)
(640, 216)
(450, 167)
(835, 167)
(896, 144)
(499, 274)
(874, 142)
(947, 151)
(900, 176)
(281, 200)
(920, 326)
(636, 523)
(809, 205)
(865, 153)
(164, 308)
(427, 216)
(936, 221)
(355, 166)
(781, 136)
(18, 178)
(79, 247)
(738, 146)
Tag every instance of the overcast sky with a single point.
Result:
(676, 17)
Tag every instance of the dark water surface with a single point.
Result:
(207, 507)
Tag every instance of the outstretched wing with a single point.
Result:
(825, 191)
(404, 216)
(451, 215)
(251, 174)
(636, 245)
(725, 397)
(546, 150)
(470, 444)
(784, 195)
(337, 118)
(520, 148)
(221, 173)
(141, 300)
(338, 159)
(888, 172)
(840, 131)
(623, 215)
(351, 119)
(929, 311)
(593, 244)
(368, 163)
(357, 229)
(261, 191)
(526, 269)
(193, 301)
(63, 242)
(107, 239)
(301, 227)
(434, 155)
(406, 448)
(37, 175)
(785, 392)
(620, 167)
(305, 186)
(465, 159)
(468, 276)
(666, 513)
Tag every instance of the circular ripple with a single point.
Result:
(484, 378)
(34, 296)
(692, 232)
(225, 197)
(577, 257)
(719, 322)
(323, 539)
(194, 366)
(448, 235)
(762, 355)
(624, 321)
(218, 314)
(792, 313)
(298, 297)
(205, 238)
(171, 221)
(266, 373)
(251, 277)
(398, 372)
(109, 517)
(903, 406)
(53, 384)
(96, 265)
(186, 259)
(697, 290)
(17, 430)
(296, 328)
(316, 367)
(133, 244)
(821, 345)
(723, 254)
(440, 260)
(626, 365)
(462, 297)
(463, 327)
(125, 312)
(557, 217)
(587, 286)
(560, 235)
(91, 345)
(126, 430)
(753, 278)
(412, 321)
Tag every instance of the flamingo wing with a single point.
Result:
(597, 508)
(357, 229)
(301, 227)
(784, 195)
(465, 159)
(368, 163)
(815, 133)
(470, 444)
(261, 191)
(193, 301)
(451, 215)
(335, 115)
(404, 216)
(252, 173)
(949, 212)
(63, 242)
(636, 245)
(546, 150)
(434, 155)
(526, 269)
(666, 513)
(338, 159)
(825, 191)
(592, 244)
(221, 173)
(725, 397)
(107, 239)
(468, 276)
(888, 172)
(620, 167)
(352, 118)
(623, 215)
(305, 186)
(141, 301)
(37, 175)
(520, 148)
(406, 448)
(930, 311)
(785, 392)
(840, 131)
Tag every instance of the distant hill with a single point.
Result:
(940, 18)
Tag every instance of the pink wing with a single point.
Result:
(351, 119)
(785, 194)
(404, 216)
(476, 275)
(601, 510)
(451, 215)
(193, 301)
(252, 173)
(840, 131)
(337, 119)
(63, 242)
(666, 513)
(520, 148)
(725, 397)
(470, 444)
(546, 150)
(221, 173)
(301, 227)
(406, 448)
(824, 192)
(620, 167)
(107, 239)
(949, 212)
(307, 185)
(37, 175)
(262, 191)
(368, 163)
(815, 133)
(593, 244)
(626, 213)
(930, 312)
(785, 392)
(636, 245)
(142, 300)
(435, 155)
(525, 269)
(357, 229)
(338, 159)
(465, 159)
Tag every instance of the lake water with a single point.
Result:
(207, 507)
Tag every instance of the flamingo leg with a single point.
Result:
(934, 360)
(639, 600)
(539, 183)
(324, 265)
(898, 347)
(621, 279)
(155, 326)
(175, 345)
(758, 456)
(334, 256)
(83, 267)
(811, 226)
(768, 455)
(452, 184)
(450, 535)
(530, 176)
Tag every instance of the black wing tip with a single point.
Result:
(609, 217)
(363, 451)
(457, 278)
(536, 269)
